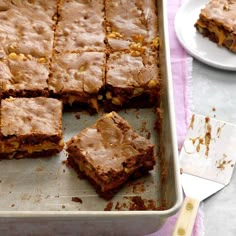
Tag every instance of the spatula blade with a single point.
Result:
(203, 188)
(207, 160)
(209, 151)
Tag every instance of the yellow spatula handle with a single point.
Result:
(187, 216)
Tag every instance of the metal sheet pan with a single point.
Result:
(36, 194)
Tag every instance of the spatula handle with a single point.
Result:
(187, 216)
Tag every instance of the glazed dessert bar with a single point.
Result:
(131, 23)
(26, 42)
(132, 81)
(30, 127)
(109, 153)
(80, 26)
(23, 76)
(217, 21)
(27, 28)
(78, 78)
(85, 53)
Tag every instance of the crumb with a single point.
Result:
(159, 121)
(137, 203)
(108, 206)
(148, 136)
(207, 119)
(0, 181)
(120, 206)
(63, 206)
(12, 205)
(143, 129)
(39, 169)
(213, 109)
(77, 116)
(138, 187)
(76, 199)
(64, 170)
(64, 162)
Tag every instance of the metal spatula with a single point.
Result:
(207, 161)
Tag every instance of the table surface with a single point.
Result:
(215, 89)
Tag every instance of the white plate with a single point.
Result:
(195, 44)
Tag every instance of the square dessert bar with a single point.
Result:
(27, 28)
(217, 21)
(23, 76)
(132, 81)
(78, 78)
(80, 26)
(109, 153)
(30, 127)
(129, 23)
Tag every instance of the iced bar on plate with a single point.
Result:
(217, 21)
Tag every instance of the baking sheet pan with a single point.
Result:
(38, 191)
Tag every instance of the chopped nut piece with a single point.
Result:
(137, 47)
(135, 53)
(138, 38)
(155, 42)
(42, 60)
(21, 56)
(127, 170)
(29, 56)
(152, 84)
(82, 68)
(94, 103)
(100, 97)
(12, 48)
(115, 35)
(108, 29)
(138, 91)
(12, 56)
(108, 95)
(116, 101)
(226, 7)
(55, 18)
